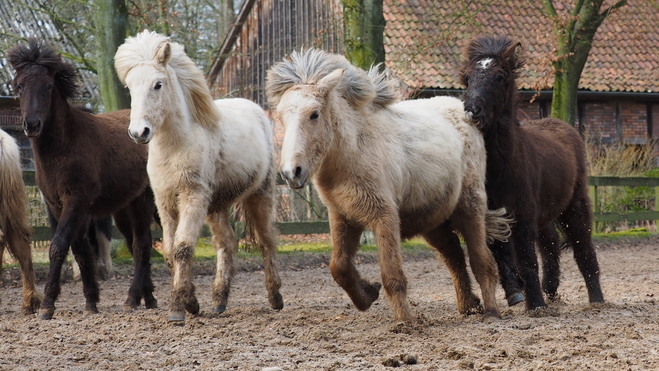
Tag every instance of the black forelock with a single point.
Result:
(36, 53)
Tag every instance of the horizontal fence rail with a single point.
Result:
(41, 233)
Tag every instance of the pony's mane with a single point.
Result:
(492, 47)
(143, 49)
(309, 66)
(36, 53)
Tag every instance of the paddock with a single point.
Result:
(319, 328)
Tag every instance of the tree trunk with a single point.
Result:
(226, 15)
(364, 32)
(111, 20)
(574, 36)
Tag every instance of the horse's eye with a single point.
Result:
(158, 85)
(500, 78)
(314, 115)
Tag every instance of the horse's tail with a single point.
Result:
(497, 225)
(13, 200)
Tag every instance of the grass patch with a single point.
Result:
(634, 233)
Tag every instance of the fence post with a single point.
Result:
(656, 201)
(596, 207)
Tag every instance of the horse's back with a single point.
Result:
(559, 154)
(439, 146)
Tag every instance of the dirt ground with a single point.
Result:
(319, 329)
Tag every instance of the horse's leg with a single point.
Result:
(168, 222)
(345, 241)
(260, 213)
(142, 210)
(87, 263)
(72, 222)
(576, 221)
(226, 245)
(193, 210)
(504, 255)
(524, 238)
(447, 244)
(550, 251)
(18, 240)
(387, 237)
(103, 229)
(471, 224)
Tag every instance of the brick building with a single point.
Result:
(619, 87)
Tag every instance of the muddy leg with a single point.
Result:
(70, 224)
(387, 237)
(345, 242)
(260, 212)
(447, 244)
(504, 255)
(226, 245)
(524, 238)
(103, 229)
(548, 244)
(193, 212)
(86, 262)
(576, 221)
(481, 261)
(18, 240)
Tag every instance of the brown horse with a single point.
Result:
(399, 169)
(86, 166)
(14, 226)
(537, 171)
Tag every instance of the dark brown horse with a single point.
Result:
(537, 171)
(86, 166)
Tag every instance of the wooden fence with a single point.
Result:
(287, 228)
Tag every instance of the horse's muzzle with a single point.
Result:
(142, 137)
(32, 128)
(295, 178)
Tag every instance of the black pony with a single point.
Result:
(86, 167)
(537, 171)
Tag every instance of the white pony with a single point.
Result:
(399, 169)
(15, 228)
(204, 157)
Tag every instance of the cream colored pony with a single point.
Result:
(204, 157)
(14, 225)
(399, 169)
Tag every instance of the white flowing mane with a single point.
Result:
(143, 49)
(308, 66)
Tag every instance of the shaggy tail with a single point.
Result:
(497, 225)
(13, 202)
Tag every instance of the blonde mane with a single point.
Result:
(143, 49)
(357, 86)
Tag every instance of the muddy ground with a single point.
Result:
(319, 329)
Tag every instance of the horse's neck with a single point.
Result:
(57, 136)
(503, 148)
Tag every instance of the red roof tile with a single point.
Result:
(426, 50)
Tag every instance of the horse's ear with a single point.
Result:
(515, 55)
(329, 82)
(164, 53)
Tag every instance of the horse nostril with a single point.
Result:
(298, 172)
(145, 132)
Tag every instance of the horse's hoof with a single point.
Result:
(91, 308)
(373, 292)
(515, 299)
(219, 309)
(193, 306)
(491, 314)
(151, 303)
(176, 317)
(276, 301)
(46, 313)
